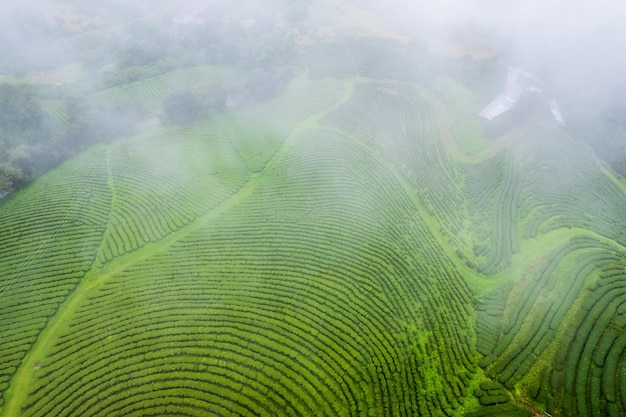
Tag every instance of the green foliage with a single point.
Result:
(371, 58)
(490, 312)
(21, 118)
(296, 290)
(135, 64)
(180, 108)
(507, 410)
(135, 73)
(316, 263)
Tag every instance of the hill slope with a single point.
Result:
(346, 258)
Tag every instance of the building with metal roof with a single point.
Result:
(518, 82)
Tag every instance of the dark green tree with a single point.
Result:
(185, 106)
(181, 107)
(21, 116)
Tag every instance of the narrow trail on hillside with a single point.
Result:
(98, 274)
(411, 193)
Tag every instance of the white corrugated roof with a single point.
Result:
(511, 94)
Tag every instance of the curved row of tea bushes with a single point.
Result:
(352, 158)
(400, 123)
(533, 292)
(533, 338)
(493, 189)
(323, 293)
(489, 314)
(565, 187)
(544, 182)
(134, 192)
(147, 95)
(491, 393)
(56, 114)
(483, 181)
(256, 133)
(585, 377)
(50, 234)
(162, 183)
(590, 378)
(504, 219)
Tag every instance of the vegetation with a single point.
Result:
(243, 228)
(177, 72)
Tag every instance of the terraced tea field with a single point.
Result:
(338, 260)
(147, 95)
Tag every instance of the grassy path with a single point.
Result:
(95, 278)
(472, 278)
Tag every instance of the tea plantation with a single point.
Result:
(330, 252)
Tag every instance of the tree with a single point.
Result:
(213, 100)
(185, 106)
(21, 116)
(181, 107)
(78, 121)
(261, 84)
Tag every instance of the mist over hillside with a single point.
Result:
(70, 50)
(312, 208)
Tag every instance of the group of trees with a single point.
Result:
(603, 129)
(186, 106)
(31, 142)
(21, 134)
(152, 47)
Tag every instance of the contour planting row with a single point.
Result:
(336, 147)
(496, 401)
(586, 377)
(256, 316)
(530, 301)
(590, 379)
(49, 238)
(56, 112)
(492, 189)
(420, 150)
(569, 188)
(504, 221)
(546, 179)
(303, 99)
(160, 184)
(291, 311)
(256, 133)
(230, 334)
(351, 157)
(394, 204)
(532, 341)
(401, 124)
(148, 94)
(489, 314)
(482, 182)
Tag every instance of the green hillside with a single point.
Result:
(347, 258)
(148, 95)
